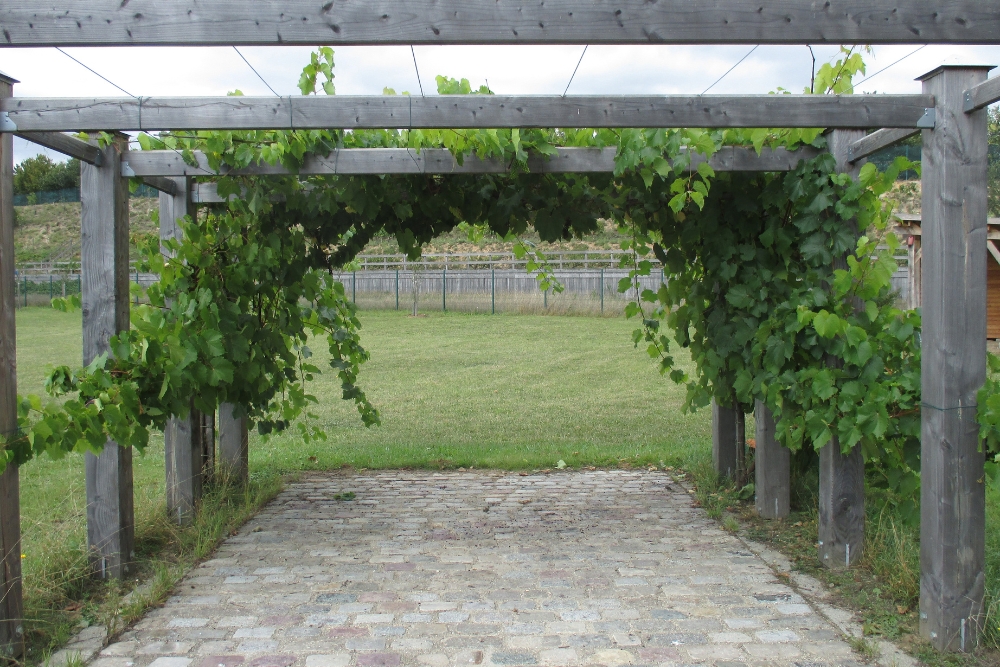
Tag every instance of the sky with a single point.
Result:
(545, 70)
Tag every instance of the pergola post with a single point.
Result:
(953, 363)
(842, 476)
(234, 443)
(725, 454)
(182, 446)
(772, 475)
(11, 608)
(105, 288)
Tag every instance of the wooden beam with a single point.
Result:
(181, 441)
(32, 114)
(953, 364)
(104, 282)
(355, 161)
(234, 443)
(11, 606)
(981, 96)
(842, 476)
(994, 251)
(65, 144)
(314, 22)
(724, 446)
(876, 141)
(165, 185)
(772, 471)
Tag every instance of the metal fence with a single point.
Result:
(440, 283)
(587, 291)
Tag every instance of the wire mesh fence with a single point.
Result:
(587, 291)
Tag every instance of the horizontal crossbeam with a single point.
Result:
(355, 161)
(876, 141)
(982, 95)
(321, 22)
(31, 114)
(66, 145)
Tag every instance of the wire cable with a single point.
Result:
(419, 82)
(255, 71)
(890, 65)
(730, 70)
(92, 71)
(575, 69)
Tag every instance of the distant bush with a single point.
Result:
(40, 174)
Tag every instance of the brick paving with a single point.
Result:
(457, 569)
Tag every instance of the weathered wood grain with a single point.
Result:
(464, 111)
(772, 471)
(355, 161)
(981, 96)
(724, 451)
(11, 607)
(234, 443)
(205, 423)
(876, 141)
(66, 145)
(181, 438)
(953, 364)
(842, 476)
(164, 185)
(315, 22)
(104, 270)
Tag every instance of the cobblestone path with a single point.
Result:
(460, 569)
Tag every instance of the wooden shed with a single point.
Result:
(908, 228)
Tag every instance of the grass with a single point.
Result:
(455, 390)
(52, 231)
(504, 391)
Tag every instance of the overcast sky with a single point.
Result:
(193, 71)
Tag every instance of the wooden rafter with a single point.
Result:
(316, 22)
(148, 164)
(466, 111)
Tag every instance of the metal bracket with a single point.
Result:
(968, 105)
(928, 120)
(127, 171)
(6, 124)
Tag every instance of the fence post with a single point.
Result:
(545, 298)
(953, 364)
(602, 290)
(842, 476)
(724, 441)
(354, 287)
(397, 289)
(493, 291)
(104, 260)
(444, 290)
(26, 291)
(50, 287)
(234, 442)
(181, 443)
(771, 468)
(11, 608)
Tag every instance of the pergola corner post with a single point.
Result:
(105, 290)
(772, 468)
(182, 441)
(234, 443)
(11, 606)
(953, 363)
(725, 453)
(842, 476)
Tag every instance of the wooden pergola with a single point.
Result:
(950, 112)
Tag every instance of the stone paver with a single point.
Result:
(466, 568)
